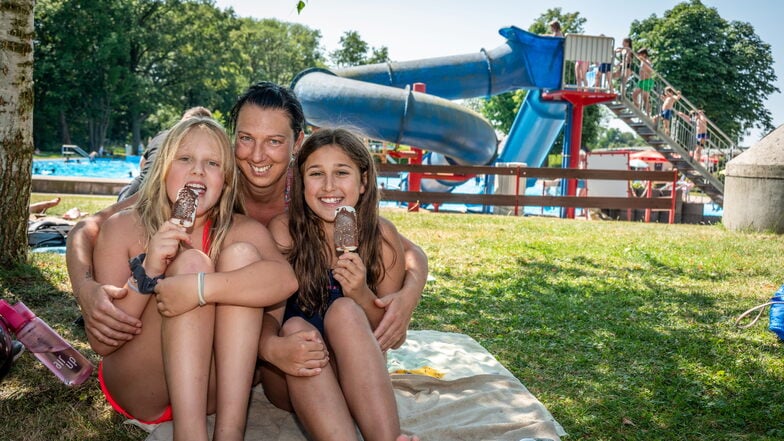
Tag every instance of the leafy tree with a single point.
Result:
(16, 140)
(501, 109)
(378, 55)
(571, 22)
(171, 68)
(149, 60)
(612, 137)
(74, 97)
(353, 51)
(721, 66)
(275, 51)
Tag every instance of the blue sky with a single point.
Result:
(434, 28)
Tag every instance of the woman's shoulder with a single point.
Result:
(122, 218)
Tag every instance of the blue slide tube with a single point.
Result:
(377, 100)
(534, 130)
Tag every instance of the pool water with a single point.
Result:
(82, 167)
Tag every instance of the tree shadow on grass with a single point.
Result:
(618, 356)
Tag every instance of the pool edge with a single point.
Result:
(77, 185)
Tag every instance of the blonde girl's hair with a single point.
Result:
(310, 254)
(153, 206)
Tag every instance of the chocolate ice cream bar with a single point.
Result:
(184, 208)
(346, 232)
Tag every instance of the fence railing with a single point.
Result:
(519, 199)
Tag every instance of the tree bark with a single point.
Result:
(65, 133)
(16, 127)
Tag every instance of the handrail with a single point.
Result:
(69, 149)
(681, 130)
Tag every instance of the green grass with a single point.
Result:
(625, 331)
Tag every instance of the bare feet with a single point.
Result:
(73, 214)
(407, 438)
(40, 207)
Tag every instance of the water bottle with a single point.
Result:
(70, 366)
(6, 350)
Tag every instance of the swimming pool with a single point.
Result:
(82, 167)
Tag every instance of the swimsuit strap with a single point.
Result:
(205, 236)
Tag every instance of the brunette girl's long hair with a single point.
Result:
(310, 254)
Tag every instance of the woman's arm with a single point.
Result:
(399, 305)
(103, 320)
(115, 243)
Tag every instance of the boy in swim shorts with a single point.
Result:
(641, 95)
(671, 96)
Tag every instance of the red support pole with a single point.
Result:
(415, 179)
(574, 151)
(578, 100)
(674, 196)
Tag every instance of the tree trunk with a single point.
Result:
(16, 127)
(136, 133)
(65, 133)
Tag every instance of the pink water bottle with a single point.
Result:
(70, 366)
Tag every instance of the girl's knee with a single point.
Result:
(344, 311)
(294, 325)
(237, 255)
(190, 261)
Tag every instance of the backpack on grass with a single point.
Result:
(775, 315)
(48, 233)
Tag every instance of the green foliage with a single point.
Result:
(148, 61)
(353, 51)
(721, 66)
(300, 6)
(571, 22)
(612, 137)
(275, 51)
(501, 109)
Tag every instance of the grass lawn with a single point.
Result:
(625, 331)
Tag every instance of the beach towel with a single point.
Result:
(476, 398)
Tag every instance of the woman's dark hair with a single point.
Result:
(269, 95)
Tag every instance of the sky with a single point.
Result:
(413, 30)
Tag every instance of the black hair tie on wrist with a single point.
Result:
(145, 283)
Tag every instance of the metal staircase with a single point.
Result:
(679, 146)
(678, 154)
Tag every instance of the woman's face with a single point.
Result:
(331, 179)
(263, 146)
(198, 164)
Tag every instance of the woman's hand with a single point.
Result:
(163, 248)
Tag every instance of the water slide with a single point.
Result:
(533, 131)
(378, 100)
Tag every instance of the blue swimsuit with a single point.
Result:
(317, 320)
